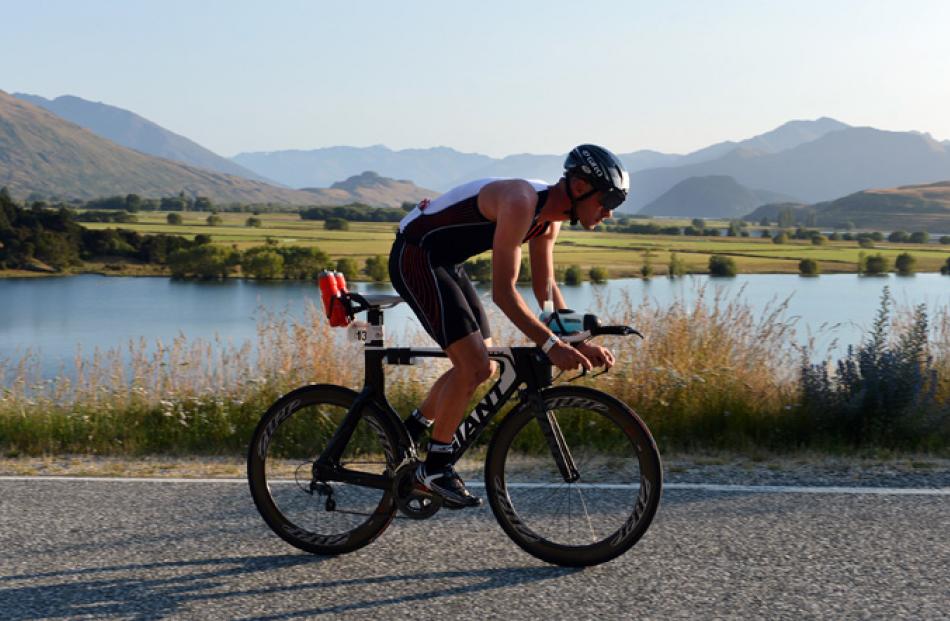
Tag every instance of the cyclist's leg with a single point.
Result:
(470, 367)
(443, 299)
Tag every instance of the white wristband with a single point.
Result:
(551, 342)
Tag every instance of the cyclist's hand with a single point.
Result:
(567, 358)
(599, 356)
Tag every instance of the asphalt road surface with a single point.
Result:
(144, 550)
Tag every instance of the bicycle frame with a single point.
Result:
(520, 366)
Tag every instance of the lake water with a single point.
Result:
(52, 316)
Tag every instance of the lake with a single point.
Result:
(54, 316)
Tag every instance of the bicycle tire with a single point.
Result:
(295, 429)
(619, 486)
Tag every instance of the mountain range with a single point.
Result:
(802, 161)
(838, 163)
(715, 196)
(442, 168)
(134, 132)
(42, 153)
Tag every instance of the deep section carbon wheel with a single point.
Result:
(293, 494)
(581, 522)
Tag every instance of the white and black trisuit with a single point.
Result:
(433, 242)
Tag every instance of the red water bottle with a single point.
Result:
(329, 292)
(338, 315)
(341, 282)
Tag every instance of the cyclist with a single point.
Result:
(425, 266)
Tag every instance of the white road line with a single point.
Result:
(705, 487)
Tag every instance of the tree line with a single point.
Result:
(54, 237)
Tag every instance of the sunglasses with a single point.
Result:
(612, 199)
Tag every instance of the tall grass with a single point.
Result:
(712, 373)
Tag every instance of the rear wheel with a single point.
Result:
(590, 520)
(313, 514)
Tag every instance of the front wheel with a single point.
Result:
(312, 512)
(595, 517)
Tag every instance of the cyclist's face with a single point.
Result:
(591, 211)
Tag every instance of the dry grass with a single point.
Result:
(709, 374)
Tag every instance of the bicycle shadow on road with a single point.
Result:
(151, 590)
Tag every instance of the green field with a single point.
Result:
(620, 253)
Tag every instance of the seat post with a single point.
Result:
(374, 352)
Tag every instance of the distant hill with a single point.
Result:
(914, 207)
(134, 132)
(371, 189)
(40, 152)
(715, 196)
(442, 168)
(786, 136)
(839, 162)
(771, 212)
(322, 167)
(910, 208)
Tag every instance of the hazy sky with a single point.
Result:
(492, 77)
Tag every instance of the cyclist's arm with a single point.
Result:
(542, 266)
(513, 205)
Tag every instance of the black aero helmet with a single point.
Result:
(602, 169)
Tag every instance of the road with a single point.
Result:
(144, 550)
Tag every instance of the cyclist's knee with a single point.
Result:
(475, 371)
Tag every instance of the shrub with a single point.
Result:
(877, 264)
(898, 237)
(173, 218)
(573, 275)
(347, 267)
(905, 264)
(945, 268)
(866, 242)
(253, 222)
(214, 220)
(205, 261)
(677, 267)
(879, 392)
(302, 263)
(720, 265)
(835, 236)
(945, 239)
(263, 264)
(377, 269)
(808, 267)
(819, 240)
(919, 237)
(780, 238)
(336, 224)
(597, 275)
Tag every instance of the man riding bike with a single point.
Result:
(425, 266)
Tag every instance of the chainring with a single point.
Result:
(410, 502)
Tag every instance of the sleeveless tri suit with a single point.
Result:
(426, 261)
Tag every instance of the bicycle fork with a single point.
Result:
(555, 439)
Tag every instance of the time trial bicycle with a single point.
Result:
(572, 474)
